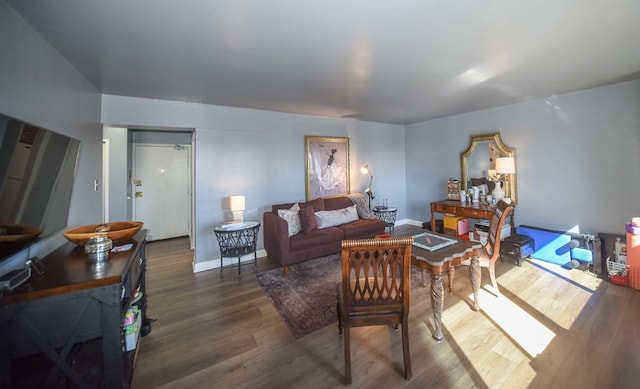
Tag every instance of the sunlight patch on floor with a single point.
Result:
(563, 293)
(587, 280)
(531, 335)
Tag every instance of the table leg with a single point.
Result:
(452, 274)
(433, 221)
(474, 270)
(437, 303)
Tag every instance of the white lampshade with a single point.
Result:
(236, 203)
(505, 165)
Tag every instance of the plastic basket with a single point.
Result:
(616, 268)
(620, 280)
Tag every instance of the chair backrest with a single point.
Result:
(376, 274)
(500, 213)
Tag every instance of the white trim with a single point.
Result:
(215, 263)
(105, 180)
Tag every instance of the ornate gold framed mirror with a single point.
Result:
(480, 158)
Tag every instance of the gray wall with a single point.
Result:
(38, 86)
(578, 157)
(260, 155)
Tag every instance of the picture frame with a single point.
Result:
(326, 166)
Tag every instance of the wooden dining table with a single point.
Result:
(439, 260)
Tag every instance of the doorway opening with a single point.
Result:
(150, 175)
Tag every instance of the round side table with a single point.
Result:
(238, 240)
(387, 214)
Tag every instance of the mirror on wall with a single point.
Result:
(37, 168)
(479, 162)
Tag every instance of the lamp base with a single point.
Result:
(238, 216)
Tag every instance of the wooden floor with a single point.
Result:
(552, 328)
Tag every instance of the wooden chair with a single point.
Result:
(376, 277)
(491, 250)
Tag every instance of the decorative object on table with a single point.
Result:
(432, 242)
(505, 166)
(476, 194)
(237, 206)
(98, 248)
(368, 298)
(453, 189)
(365, 170)
(118, 232)
(480, 157)
(326, 166)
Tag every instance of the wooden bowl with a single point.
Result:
(120, 233)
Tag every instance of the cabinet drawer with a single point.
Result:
(439, 208)
(476, 213)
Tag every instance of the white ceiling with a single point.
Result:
(393, 61)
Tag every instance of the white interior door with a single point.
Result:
(161, 188)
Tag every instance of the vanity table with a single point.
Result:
(466, 209)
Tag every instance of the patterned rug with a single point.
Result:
(306, 297)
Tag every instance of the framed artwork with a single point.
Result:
(326, 166)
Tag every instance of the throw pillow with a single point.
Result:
(308, 220)
(292, 218)
(335, 218)
(361, 206)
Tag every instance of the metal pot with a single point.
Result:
(97, 248)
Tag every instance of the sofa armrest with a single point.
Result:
(276, 236)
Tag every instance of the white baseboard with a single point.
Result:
(215, 263)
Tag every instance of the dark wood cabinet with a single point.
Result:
(66, 325)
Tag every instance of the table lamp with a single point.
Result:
(504, 167)
(236, 204)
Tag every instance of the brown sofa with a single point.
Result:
(312, 243)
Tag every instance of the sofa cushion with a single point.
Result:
(292, 218)
(362, 228)
(317, 204)
(317, 239)
(333, 203)
(337, 217)
(308, 220)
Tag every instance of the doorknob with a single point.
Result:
(138, 195)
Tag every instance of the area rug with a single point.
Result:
(306, 297)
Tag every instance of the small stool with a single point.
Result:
(518, 247)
